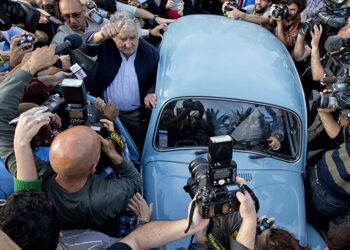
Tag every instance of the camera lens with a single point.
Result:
(198, 169)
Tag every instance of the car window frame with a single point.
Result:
(159, 149)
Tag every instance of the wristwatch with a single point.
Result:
(140, 222)
(278, 136)
(2, 61)
(154, 17)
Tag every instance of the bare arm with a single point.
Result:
(28, 126)
(316, 66)
(255, 18)
(160, 233)
(280, 33)
(301, 49)
(247, 231)
(331, 126)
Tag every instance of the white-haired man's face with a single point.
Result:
(127, 40)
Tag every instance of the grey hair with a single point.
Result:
(128, 20)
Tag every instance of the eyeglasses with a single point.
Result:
(73, 15)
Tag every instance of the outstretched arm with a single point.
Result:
(160, 233)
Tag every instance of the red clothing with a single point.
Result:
(290, 29)
(172, 14)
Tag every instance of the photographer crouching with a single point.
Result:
(286, 18)
(328, 182)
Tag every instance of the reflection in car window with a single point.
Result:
(190, 123)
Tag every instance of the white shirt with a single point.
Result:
(124, 89)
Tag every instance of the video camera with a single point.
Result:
(332, 16)
(280, 10)
(337, 68)
(215, 180)
(17, 12)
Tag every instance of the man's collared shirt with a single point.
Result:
(315, 4)
(124, 90)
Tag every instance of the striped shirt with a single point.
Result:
(334, 168)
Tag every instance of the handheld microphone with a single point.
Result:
(78, 71)
(71, 42)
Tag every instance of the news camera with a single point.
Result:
(337, 68)
(18, 12)
(332, 17)
(215, 180)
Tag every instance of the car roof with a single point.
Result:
(206, 55)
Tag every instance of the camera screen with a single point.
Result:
(76, 114)
(221, 175)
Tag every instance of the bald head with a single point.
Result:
(73, 13)
(75, 151)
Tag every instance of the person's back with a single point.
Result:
(82, 198)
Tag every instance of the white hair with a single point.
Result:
(128, 20)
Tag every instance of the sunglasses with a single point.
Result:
(73, 15)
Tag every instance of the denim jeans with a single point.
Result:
(320, 202)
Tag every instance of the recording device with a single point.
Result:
(280, 10)
(215, 180)
(337, 68)
(335, 43)
(27, 39)
(78, 71)
(93, 14)
(71, 42)
(17, 12)
(230, 5)
(332, 16)
(262, 226)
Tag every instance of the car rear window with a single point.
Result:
(185, 123)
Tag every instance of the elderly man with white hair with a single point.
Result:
(125, 71)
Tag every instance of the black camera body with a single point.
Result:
(230, 5)
(262, 226)
(27, 39)
(215, 180)
(280, 10)
(17, 12)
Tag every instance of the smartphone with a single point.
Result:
(176, 3)
(97, 18)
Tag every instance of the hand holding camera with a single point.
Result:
(20, 45)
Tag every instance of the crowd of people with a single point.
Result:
(75, 188)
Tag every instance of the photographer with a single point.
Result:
(257, 13)
(287, 28)
(328, 182)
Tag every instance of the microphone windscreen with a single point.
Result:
(75, 41)
(334, 43)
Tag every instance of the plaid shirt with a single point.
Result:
(315, 4)
(290, 29)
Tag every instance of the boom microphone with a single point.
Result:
(71, 42)
(334, 43)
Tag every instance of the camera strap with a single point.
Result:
(212, 241)
(117, 139)
(252, 194)
(193, 206)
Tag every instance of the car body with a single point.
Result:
(226, 66)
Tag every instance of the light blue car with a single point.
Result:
(217, 76)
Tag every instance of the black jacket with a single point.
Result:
(108, 62)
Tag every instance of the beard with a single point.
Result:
(262, 10)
